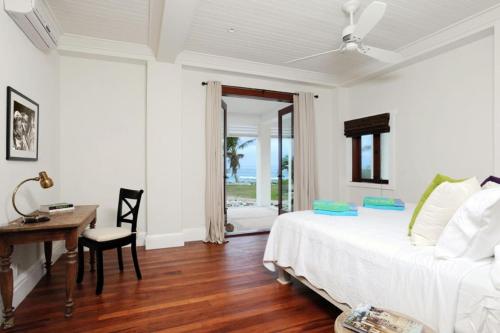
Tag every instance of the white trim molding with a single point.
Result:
(164, 241)
(176, 239)
(194, 234)
(71, 43)
(234, 65)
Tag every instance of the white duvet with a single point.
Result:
(369, 259)
(478, 309)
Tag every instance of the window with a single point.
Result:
(369, 148)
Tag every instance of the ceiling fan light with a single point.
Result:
(351, 46)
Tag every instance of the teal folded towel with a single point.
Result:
(332, 206)
(385, 207)
(328, 212)
(373, 202)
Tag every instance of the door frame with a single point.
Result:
(252, 93)
(224, 108)
(281, 113)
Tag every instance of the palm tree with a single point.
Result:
(233, 145)
(284, 163)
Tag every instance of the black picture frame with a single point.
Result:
(22, 145)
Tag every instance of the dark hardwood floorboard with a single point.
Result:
(196, 288)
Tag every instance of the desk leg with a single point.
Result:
(91, 251)
(71, 243)
(6, 285)
(47, 246)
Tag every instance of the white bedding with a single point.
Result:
(478, 309)
(369, 259)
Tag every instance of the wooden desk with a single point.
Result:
(65, 226)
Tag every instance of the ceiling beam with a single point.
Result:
(155, 21)
(190, 59)
(85, 45)
(175, 26)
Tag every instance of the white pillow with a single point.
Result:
(474, 230)
(489, 185)
(439, 208)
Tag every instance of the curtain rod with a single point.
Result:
(296, 94)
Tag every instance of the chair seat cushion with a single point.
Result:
(106, 234)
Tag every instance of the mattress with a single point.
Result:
(369, 259)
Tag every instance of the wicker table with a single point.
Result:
(341, 329)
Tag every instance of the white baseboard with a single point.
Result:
(27, 280)
(164, 240)
(141, 238)
(174, 239)
(194, 234)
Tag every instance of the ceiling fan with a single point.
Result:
(354, 33)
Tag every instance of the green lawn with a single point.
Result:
(248, 191)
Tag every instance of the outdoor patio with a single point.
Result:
(251, 219)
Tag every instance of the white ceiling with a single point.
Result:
(267, 31)
(121, 20)
(274, 31)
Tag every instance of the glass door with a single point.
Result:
(285, 154)
(228, 226)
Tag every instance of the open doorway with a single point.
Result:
(258, 159)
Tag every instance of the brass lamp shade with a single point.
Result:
(45, 182)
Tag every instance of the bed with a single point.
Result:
(369, 259)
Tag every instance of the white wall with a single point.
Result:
(103, 133)
(128, 124)
(164, 175)
(443, 119)
(34, 74)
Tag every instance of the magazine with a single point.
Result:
(369, 319)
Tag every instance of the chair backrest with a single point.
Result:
(131, 209)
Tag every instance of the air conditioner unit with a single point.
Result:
(36, 20)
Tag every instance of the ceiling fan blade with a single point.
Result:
(369, 19)
(381, 54)
(314, 55)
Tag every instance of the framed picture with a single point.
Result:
(22, 127)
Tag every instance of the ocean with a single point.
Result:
(247, 172)
(249, 175)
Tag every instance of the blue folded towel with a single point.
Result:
(328, 212)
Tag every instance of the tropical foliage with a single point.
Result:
(233, 154)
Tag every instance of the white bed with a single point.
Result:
(369, 259)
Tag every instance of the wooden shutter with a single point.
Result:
(367, 125)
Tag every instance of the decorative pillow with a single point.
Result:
(438, 179)
(490, 185)
(490, 182)
(474, 230)
(439, 208)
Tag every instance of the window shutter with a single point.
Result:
(367, 125)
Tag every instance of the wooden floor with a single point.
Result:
(196, 288)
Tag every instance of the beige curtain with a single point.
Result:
(304, 170)
(214, 169)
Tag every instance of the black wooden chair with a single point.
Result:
(100, 239)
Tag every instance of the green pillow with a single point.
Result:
(435, 183)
